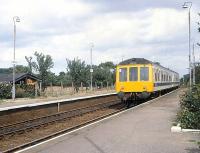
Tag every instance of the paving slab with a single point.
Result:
(144, 129)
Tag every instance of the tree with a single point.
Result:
(64, 78)
(42, 65)
(52, 79)
(28, 59)
(109, 65)
(5, 70)
(77, 71)
(105, 73)
(197, 74)
(18, 69)
(21, 69)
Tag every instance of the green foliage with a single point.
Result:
(64, 78)
(197, 74)
(189, 119)
(52, 79)
(189, 115)
(18, 69)
(78, 72)
(21, 91)
(104, 73)
(26, 90)
(5, 91)
(5, 70)
(42, 65)
(21, 69)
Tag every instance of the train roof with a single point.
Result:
(135, 61)
(143, 61)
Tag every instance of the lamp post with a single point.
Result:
(15, 19)
(189, 5)
(91, 70)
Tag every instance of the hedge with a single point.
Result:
(5, 91)
(189, 115)
(21, 91)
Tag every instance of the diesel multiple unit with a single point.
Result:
(141, 77)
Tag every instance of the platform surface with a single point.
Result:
(145, 129)
(36, 102)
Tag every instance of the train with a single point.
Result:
(141, 78)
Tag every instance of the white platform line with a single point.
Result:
(95, 122)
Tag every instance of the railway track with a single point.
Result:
(41, 121)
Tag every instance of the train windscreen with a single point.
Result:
(133, 74)
(123, 74)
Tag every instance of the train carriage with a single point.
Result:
(141, 77)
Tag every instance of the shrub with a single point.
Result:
(189, 115)
(20, 93)
(5, 90)
(29, 90)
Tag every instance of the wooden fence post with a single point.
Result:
(96, 85)
(36, 94)
(72, 88)
(61, 84)
(82, 86)
(51, 88)
(40, 87)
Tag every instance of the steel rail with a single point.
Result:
(38, 122)
(59, 132)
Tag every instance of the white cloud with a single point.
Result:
(64, 29)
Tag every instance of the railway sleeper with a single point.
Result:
(50, 119)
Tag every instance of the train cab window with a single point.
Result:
(144, 74)
(123, 74)
(133, 74)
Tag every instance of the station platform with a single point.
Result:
(143, 129)
(23, 102)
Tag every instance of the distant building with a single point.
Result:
(20, 78)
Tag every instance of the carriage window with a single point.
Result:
(133, 74)
(144, 73)
(156, 76)
(123, 74)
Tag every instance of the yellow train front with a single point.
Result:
(138, 77)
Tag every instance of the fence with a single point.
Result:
(61, 91)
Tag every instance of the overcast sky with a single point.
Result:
(119, 29)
